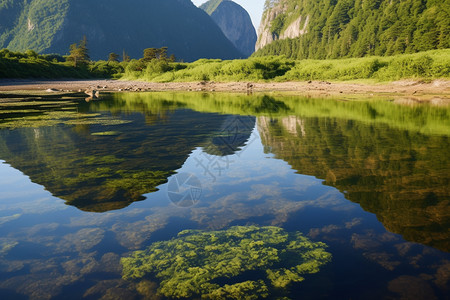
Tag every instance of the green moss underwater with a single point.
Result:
(196, 262)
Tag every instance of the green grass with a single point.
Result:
(425, 65)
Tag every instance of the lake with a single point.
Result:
(163, 195)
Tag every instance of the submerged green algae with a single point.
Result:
(34, 112)
(194, 263)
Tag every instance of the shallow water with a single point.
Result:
(86, 183)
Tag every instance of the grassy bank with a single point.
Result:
(30, 64)
(425, 65)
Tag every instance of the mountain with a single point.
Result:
(352, 28)
(235, 23)
(113, 26)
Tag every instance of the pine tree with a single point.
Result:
(113, 57)
(84, 52)
(163, 53)
(79, 54)
(125, 56)
(149, 54)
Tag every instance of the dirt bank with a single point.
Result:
(411, 88)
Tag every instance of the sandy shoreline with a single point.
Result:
(410, 88)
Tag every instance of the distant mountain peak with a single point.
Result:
(235, 23)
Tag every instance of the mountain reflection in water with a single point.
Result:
(98, 170)
(295, 162)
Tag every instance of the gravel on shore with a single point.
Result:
(412, 88)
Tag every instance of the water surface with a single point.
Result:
(86, 183)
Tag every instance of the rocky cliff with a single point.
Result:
(352, 28)
(113, 26)
(235, 23)
(270, 28)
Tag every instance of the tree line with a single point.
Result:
(78, 64)
(79, 54)
(155, 65)
(356, 28)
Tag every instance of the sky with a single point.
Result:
(254, 8)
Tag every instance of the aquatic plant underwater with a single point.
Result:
(196, 262)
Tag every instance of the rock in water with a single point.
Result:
(235, 23)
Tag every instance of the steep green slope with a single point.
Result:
(235, 23)
(9, 13)
(347, 28)
(112, 26)
(210, 6)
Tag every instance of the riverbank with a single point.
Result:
(411, 88)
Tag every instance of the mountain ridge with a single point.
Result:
(235, 23)
(113, 26)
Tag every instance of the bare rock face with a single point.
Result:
(265, 34)
(295, 29)
(272, 10)
(235, 23)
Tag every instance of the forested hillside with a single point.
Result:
(352, 28)
(50, 26)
